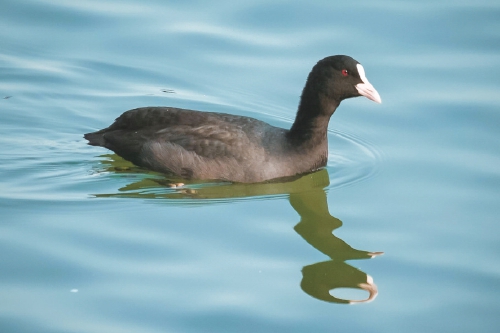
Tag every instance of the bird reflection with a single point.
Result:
(306, 195)
(316, 227)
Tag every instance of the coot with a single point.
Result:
(208, 145)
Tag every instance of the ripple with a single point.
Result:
(351, 159)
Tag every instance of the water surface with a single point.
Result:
(90, 243)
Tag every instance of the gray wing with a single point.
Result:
(193, 144)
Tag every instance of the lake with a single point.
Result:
(399, 233)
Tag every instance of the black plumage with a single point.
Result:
(209, 145)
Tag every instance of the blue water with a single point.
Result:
(90, 243)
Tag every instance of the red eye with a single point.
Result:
(345, 72)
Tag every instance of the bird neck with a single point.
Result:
(311, 122)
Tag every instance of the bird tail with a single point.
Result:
(95, 138)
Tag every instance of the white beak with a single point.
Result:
(365, 88)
